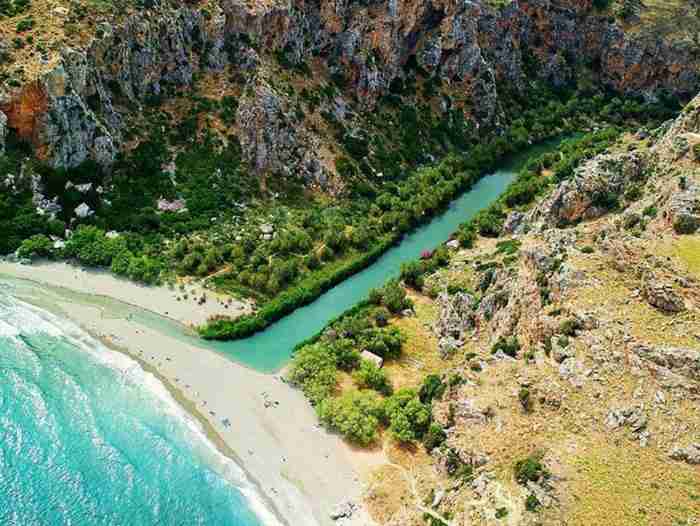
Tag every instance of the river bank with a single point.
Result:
(265, 425)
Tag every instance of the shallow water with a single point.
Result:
(87, 437)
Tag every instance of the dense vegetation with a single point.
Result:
(360, 413)
(407, 202)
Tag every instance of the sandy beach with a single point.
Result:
(174, 303)
(264, 424)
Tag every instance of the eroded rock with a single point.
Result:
(689, 454)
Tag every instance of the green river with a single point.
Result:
(268, 351)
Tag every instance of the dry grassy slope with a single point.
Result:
(667, 18)
(599, 476)
(57, 24)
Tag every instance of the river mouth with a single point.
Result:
(268, 351)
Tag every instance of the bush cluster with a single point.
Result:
(359, 414)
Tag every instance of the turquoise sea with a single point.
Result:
(87, 437)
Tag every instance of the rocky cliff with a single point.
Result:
(572, 394)
(76, 107)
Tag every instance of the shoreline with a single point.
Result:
(191, 409)
(180, 306)
(263, 425)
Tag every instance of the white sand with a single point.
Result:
(304, 470)
(161, 300)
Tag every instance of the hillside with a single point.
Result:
(554, 370)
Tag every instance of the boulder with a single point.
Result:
(514, 223)
(632, 417)
(83, 210)
(689, 454)
(343, 510)
(661, 295)
(629, 416)
(561, 353)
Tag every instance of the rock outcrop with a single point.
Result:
(593, 190)
(661, 295)
(689, 454)
(685, 362)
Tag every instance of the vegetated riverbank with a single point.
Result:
(256, 418)
(323, 365)
(441, 184)
(286, 250)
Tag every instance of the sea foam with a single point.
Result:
(19, 318)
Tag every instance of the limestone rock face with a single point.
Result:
(271, 143)
(3, 131)
(77, 111)
(587, 195)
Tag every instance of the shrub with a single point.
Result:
(510, 346)
(381, 317)
(347, 357)
(508, 247)
(650, 211)
(408, 417)
(435, 437)
(531, 503)
(696, 151)
(458, 469)
(386, 343)
(412, 274)
(633, 193)
(313, 369)
(525, 399)
(587, 249)
(394, 296)
(369, 376)
(685, 224)
(37, 246)
(530, 469)
(489, 222)
(356, 415)
(570, 327)
(631, 220)
(433, 387)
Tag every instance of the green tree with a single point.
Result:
(408, 417)
(355, 414)
(369, 376)
(314, 369)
